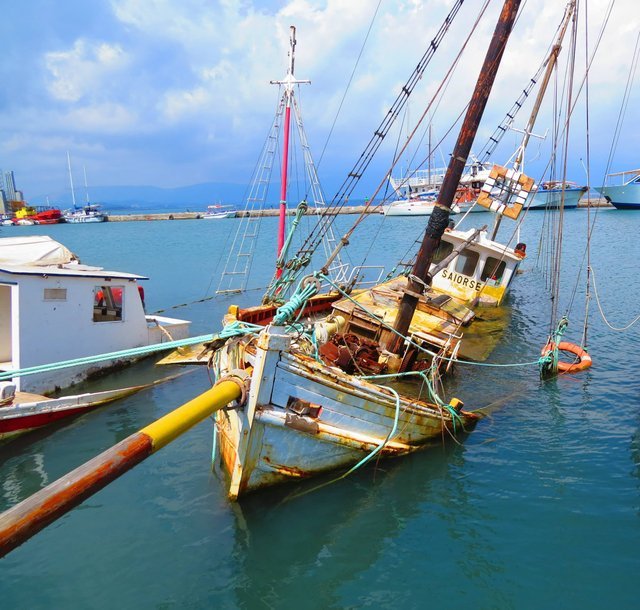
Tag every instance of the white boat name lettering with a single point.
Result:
(463, 280)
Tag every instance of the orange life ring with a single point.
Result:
(576, 350)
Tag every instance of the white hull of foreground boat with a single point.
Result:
(48, 296)
(303, 418)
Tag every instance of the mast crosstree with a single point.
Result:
(235, 276)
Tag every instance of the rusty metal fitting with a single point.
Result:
(242, 379)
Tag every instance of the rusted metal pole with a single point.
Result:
(439, 218)
(31, 515)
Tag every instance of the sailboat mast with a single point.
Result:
(439, 218)
(86, 187)
(288, 83)
(552, 61)
(551, 64)
(429, 158)
(73, 194)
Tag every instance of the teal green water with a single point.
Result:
(538, 508)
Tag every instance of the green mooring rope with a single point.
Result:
(548, 363)
(125, 353)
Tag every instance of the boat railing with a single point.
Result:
(627, 176)
(361, 276)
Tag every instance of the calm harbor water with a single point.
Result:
(538, 508)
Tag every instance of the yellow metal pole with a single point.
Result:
(25, 519)
(172, 425)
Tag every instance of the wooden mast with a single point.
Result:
(439, 219)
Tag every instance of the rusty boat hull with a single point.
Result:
(303, 418)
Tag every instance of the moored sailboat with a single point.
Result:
(89, 212)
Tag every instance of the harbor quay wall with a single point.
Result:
(600, 202)
(594, 202)
(352, 209)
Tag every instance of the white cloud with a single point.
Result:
(195, 74)
(108, 118)
(83, 69)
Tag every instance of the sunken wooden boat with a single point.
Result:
(302, 417)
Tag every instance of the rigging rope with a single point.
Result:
(353, 177)
(604, 317)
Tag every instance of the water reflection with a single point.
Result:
(21, 476)
(31, 461)
(333, 537)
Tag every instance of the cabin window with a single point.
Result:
(107, 303)
(55, 294)
(466, 262)
(443, 250)
(493, 271)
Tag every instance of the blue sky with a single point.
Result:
(167, 93)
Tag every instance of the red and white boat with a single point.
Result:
(24, 412)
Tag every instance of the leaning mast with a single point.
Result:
(439, 219)
(287, 99)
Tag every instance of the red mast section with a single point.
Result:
(287, 98)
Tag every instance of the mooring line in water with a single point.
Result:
(595, 290)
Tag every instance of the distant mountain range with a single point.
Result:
(194, 197)
(152, 196)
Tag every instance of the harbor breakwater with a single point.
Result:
(350, 209)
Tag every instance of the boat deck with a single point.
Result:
(25, 397)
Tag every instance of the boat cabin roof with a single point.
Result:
(483, 242)
(41, 255)
(70, 270)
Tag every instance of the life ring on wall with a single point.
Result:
(570, 367)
